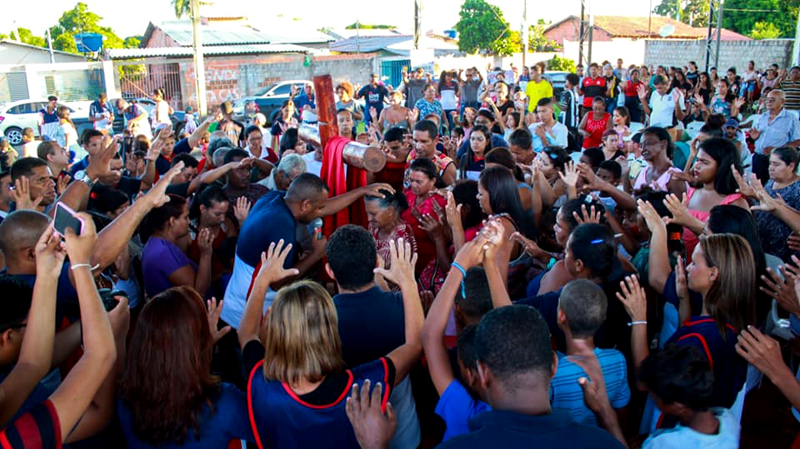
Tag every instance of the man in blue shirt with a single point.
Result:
(515, 365)
(775, 128)
(371, 321)
(374, 95)
(101, 116)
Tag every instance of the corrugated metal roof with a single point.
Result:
(368, 43)
(181, 32)
(136, 53)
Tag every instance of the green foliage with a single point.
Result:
(366, 26)
(26, 37)
(182, 8)
(694, 12)
(132, 42)
(558, 64)
(743, 15)
(481, 28)
(764, 30)
(537, 40)
(80, 20)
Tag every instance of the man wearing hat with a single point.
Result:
(737, 137)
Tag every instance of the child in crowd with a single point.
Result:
(581, 311)
(29, 143)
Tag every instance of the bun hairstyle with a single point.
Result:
(397, 200)
(427, 166)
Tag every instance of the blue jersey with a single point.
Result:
(281, 419)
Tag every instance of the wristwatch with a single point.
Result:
(81, 176)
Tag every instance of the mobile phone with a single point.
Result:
(109, 298)
(67, 218)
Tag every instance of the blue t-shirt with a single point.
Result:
(78, 166)
(160, 259)
(282, 419)
(67, 305)
(371, 324)
(456, 407)
(497, 141)
(373, 97)
(566, 393)
(507, 429)
(228, 422)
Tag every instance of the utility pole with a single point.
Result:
(524, 32)
(417, 22)
(581, 32)
(358, 37)
(591, 29)
(50, 47)
(199, 65)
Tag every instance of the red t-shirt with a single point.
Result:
(593, 87)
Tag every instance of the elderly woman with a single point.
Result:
(386, 223)
(424, 199)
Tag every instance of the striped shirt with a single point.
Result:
(39, 428)
(566, 394)
(792, 91)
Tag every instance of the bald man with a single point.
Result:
(774, 129)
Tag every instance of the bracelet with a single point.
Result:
(82, 265)
(458, 267)
(634, 323)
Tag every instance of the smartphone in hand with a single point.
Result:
(65, 218)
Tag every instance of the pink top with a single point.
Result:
(659, 184)
(690, 239)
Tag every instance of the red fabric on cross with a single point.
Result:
(333, 173)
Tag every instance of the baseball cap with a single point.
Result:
(732, 123)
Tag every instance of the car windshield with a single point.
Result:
(264, 90)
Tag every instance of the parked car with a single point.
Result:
(18, 115)
(557, 80)
(269, 99)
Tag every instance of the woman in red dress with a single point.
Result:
(421, 195)
(595, 123)
(386, 224)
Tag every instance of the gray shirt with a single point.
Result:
(469, 90)
(414, 89)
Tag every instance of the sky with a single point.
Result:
(38, 15)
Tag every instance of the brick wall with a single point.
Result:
(232, 77)
(678, 53)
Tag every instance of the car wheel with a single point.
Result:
(14, 135)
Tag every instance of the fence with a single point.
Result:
(140, 80)
(392, 71)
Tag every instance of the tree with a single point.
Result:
(80, 20)
(481, 28)
(537, 40)
(692, 12)
(182, 7)
(558, 64)
(26, 37)
(765, 30)
(742, 15)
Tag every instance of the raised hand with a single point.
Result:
(633, 297)
(699, 99)
(678, 209)
(641, 91)
(214, 309)
(373, 429)
(432, 225)
(157, 196)
(652, 219)
(100, 164)
(62, 183)
(744, 187)
(471, 254)
(590, 216)
(570, 174)
(761, 351)
(241, 209)
(681, 284)
(205, 241)
(453, 211)
(272, 265)
(401, 270)
(80, 247)
(528, 245)
(781, 287)
(50, 253)
(22, 195)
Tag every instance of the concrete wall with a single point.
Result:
(229, 78)
(678, 53)
(632, 51)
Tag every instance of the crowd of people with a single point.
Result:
(614, 265)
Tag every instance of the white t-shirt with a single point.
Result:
(312, 164)
(662, 108)
(682, 437)
(29, 149)
(448, 99)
